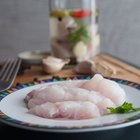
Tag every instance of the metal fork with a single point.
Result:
(8, 73)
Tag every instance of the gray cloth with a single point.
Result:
(24, 26)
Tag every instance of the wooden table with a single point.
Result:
(123, 71)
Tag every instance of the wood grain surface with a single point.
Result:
(123, 71)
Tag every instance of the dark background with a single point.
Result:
(128, 133)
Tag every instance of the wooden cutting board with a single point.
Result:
(122, 71)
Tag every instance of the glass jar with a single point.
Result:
(74, 29)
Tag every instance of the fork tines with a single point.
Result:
(9, 69)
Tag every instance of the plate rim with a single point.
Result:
(14, 122)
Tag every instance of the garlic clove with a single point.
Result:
(80, 50)
(53, 65)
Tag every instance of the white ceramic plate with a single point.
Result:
(14, 112)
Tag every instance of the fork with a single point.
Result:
(8, 73)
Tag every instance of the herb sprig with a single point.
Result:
(80, 34)
(124, 108)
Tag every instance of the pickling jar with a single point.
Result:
(74, 29)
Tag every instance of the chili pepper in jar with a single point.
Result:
(81, 13)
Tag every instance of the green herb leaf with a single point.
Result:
(80, 34)
(124, 108)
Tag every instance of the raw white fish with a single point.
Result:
(59, 93)
(106, 87)
(67, 109)
(76, 99)
(104, 104)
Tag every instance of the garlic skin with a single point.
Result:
(103, 68)
(53, 65)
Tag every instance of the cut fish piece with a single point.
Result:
(104, 104)
(67, 109)
(107, 88)
(59, 93)
(93, 83)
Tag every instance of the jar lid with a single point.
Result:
(33, 57)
